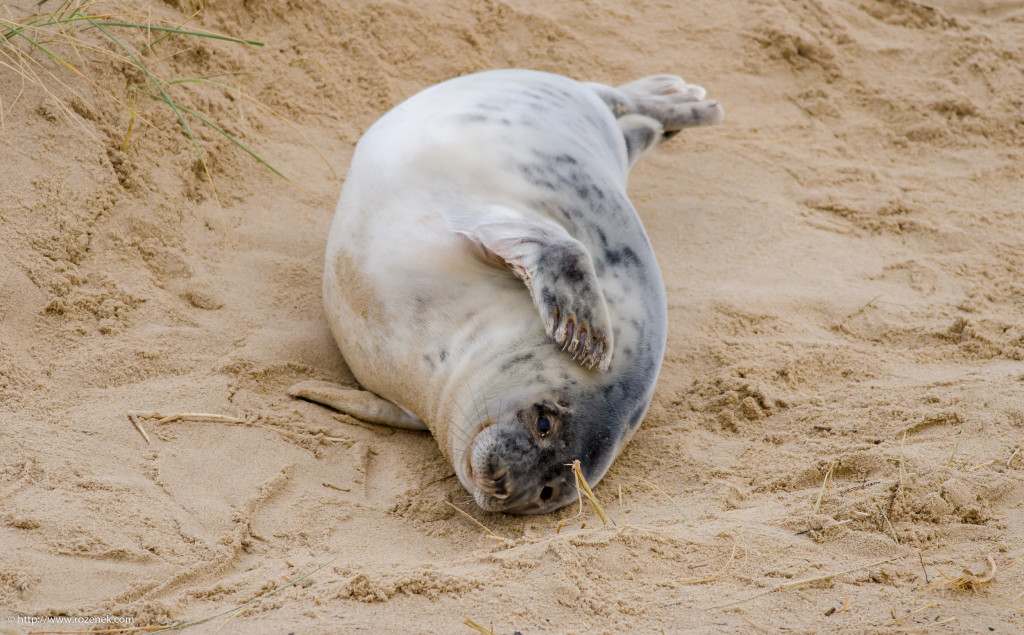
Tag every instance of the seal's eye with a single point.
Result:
(543, 426)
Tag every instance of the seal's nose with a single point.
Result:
(494, 482)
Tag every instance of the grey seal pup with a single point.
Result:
(487, 278)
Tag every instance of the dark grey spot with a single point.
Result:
(639, 139)
(522, 358)
(623, 255)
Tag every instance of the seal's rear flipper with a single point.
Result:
(559, 273)
(361, 404)
(667, 100)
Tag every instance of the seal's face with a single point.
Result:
(520, 461)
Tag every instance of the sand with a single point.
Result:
(837, 434)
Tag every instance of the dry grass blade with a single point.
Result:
(721, 572)
(885, 517)
(805, 581)
(828, 576)
(19, 31)
(131, 122)
(189, 416)
(259, 103)
(581, 485)
(163, 97)
(622, 509)
(170, 102)
(149, 46)
(956, 446)
(824, 484)
(476, 627)
(64, 27)
(24, 65)
(897, 620)
(839, 523)
(148, 27)
(753, 625)
(233, 616)
(490, 534)
(670, 499)
(138, 426)
(968, 580)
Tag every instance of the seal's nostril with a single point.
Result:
(546, 493)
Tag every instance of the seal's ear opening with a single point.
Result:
(546, 493)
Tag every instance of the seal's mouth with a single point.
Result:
(467, 457)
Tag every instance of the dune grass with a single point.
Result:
(63, 35)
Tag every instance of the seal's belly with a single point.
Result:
(404, 311)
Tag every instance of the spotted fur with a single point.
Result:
(487, 274)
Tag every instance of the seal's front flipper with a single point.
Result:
(559, 273)
(361, 404)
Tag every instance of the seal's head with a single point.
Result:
(519, 460)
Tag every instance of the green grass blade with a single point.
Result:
(204, 80)
(129, 25)
(167, 98)
(226, 134)
(42, 48)
(167, 35)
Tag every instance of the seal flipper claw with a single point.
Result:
(557, 270)
(361, 404)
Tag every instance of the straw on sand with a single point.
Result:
(968, 580)
(490, 534)
(824, 485)
(582, 486)
(476, 627)
(665, 494)
(138, 426)
(197, 416)
(798, 583)
(180, 416)
(721, 572)
(897, 620)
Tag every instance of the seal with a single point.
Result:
(487, 278)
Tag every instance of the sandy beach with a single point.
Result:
(836, 442)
